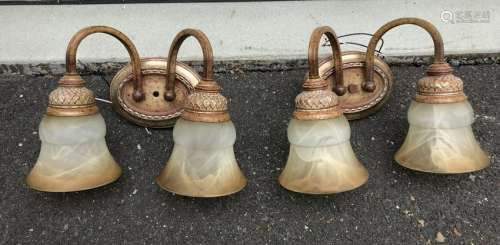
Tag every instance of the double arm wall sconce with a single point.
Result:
(154, 92)
(440, 138)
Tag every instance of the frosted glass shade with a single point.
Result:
(202, 163)
(321, 159)
(73, 155)
(440, 139)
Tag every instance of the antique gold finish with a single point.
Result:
(440, 137)
(206, 104)
(317, 101)
(202, 162)
(71, 98)
(154, 111)
(440, 85)
(321, 159)
(74, 155)
(357, 103)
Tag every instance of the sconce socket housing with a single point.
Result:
(316, 102)
(440, 86)
(71, 98)
(206, 104)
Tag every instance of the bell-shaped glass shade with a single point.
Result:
(440, 139)
(73, 155)
(202, 163)
(321, 159)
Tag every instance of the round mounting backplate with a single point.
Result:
(154, 111)
(356, 102)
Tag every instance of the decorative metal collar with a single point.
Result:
(440, 86)
(71, 98)
(317, 102)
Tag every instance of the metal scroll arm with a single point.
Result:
(208, 63)
(138, 94)
(369, 84)
(314, 43)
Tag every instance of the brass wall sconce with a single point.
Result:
(154, 92)
(74, 155)
(440, 138)
(321, 159)
(202, 163)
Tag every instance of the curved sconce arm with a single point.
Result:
(206, 104)
(208, 65)
(314, 43)
(138, 94)
(369, 85)
(317, 102)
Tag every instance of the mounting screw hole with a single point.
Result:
(156, 93)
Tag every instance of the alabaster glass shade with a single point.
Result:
(202, 163)
(73, 155)
(321, 159)
(440, 139)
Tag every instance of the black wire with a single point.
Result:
(379, 51)
(359, 44)
(104, 78)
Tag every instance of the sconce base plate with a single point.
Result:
(357, 103)
(154, 111)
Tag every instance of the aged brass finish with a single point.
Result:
(71, 98)
(317, 101)
(74, 155)
(154, 111)
(440, 137)
(357, 103)
(202, 162)
(321, 159)
(440, 85)
(206, 104)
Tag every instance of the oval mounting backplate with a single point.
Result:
(356, 102)
(154, 111)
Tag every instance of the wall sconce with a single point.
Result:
(74, 155)
(321, 159)
(154, 92)
(202, 162)
(440, 137)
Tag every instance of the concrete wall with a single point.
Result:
(249, 30)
